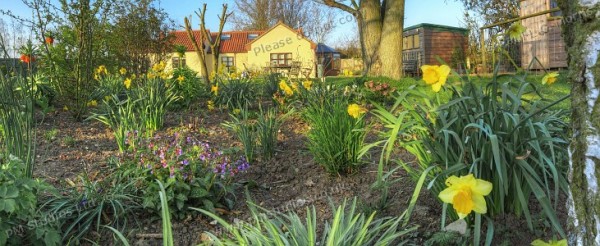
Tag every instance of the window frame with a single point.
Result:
(287, 59)
(176, 60)
(226, 60)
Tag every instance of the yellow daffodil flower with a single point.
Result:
(123, 71)
(295, 86)
(180, 79)
(286, 88)
(92, 103)
(151, 75)
(307, 84)
(539, 242)
(356, 110)
(515, 31)
(101, 70)
(106, 98)
(214, 89)
(550, 78)
(210, 105)
(65, 108)
(466, 194)
(133, 76)
(237, 111)
(435, 76)
(127, 83)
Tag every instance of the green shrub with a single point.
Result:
(20, 220)
(348, 227)
(335, 137)
(193, 172)
(187, 86)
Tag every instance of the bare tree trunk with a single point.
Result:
(581, 30)
(199, 48)
(380, 25)
(391, 39)
(370, 35)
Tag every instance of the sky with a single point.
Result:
(443, 12)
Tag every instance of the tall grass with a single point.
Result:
(245, 130)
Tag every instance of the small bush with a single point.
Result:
(234, 93)
(193, 172)
(21, 221)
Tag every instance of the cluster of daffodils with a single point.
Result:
(158, 71)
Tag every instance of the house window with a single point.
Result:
(225, 36)
(178, 62)
(281, 59)
(554, 4)
(227, 61)
(252, 36)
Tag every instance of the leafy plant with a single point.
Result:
(20, 220)
(348, 227)
(501, 136)
(16, 118)
(120, 116)
(267, 127)
(335, 138)
(245, 131)
(187, 86)
(234, 93)
(90, 204)
(153, 99)
(193, 172)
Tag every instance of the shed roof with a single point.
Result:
(438, 27)
(323, 48)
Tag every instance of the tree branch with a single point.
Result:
(344, 7)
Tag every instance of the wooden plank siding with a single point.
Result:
(542, 38)
(435, 41)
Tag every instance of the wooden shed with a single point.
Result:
(424, 43)
(542, 38)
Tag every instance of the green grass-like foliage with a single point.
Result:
(245, 130)
(348, 227)
(16, 119)
(267, 127)
(335, 138)
(154, 98)
(498, 133)
(95, 203)
(121, 116)
(234, 93)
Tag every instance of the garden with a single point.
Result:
(100, 145)
(445, 159)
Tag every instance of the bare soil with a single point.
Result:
(291, 181)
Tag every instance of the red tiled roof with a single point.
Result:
(235, 44)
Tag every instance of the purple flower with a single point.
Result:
(185, 162)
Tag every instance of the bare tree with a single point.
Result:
(316, 21)
(205, 37)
